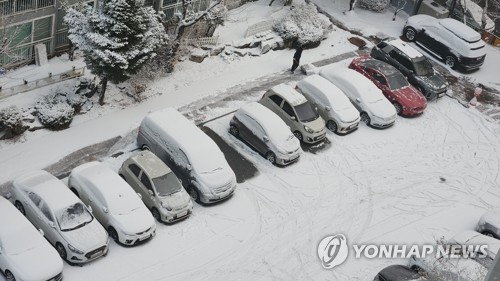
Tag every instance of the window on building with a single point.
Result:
(42, 29)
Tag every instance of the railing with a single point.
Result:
(201, 41)
(259, 27)
(195, 6)
(11, 7)
(61, 39)
(23, 53)
(51, 79)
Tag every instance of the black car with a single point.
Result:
(415, 66)
(397, 273)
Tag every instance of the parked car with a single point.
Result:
(471, 237)
(331, 103)
(489, 224)
(24, 253)
(456, 44)
(415, 66)
(296, 111)
(375, 109)
(266, 133)
(113, 202)
(456, 269)
(65, 221)
(407, 100)
(398, 272)
(472, 12)
(193, 156)
(160, 189)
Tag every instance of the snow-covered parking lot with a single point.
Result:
(424, 178)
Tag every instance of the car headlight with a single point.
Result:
(75, 250)
(165, 206)
(309, 130)
(281, 151)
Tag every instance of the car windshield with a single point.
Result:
(167, 184)
(21, 240)
(305, 112)
(397, 81)
(423, 67)
(73, 217)
(208, 161)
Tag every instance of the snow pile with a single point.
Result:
(374, 5)
(54, 113)
(11, 122)
(303, 26)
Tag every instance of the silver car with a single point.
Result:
(296, 111)
(160, 189)
(113, 202)
(265, 132)
(65, 221)
(489, 224)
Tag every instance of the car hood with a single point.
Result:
(289, 145)
(382, 108)
(39, 263)
(409, 97)
(88, 237)
(176, 200)
(316, 125)
(348, 114)
(435, 82)
(138, 220)
(218, 178)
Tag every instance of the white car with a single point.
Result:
(489, 224)
(263, 130)
(65, 221)
(24, 253)
(331, 103)
(471, 237)
(460, 269)
(113, 202)
(374, 108)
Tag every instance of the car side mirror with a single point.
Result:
(189, 167)
(90, 208)
(150, 192)
(327, 108)
(140, 196)
(294, 118)
(265, 138)
(358, 100)
(41, 232)
(52, 224)
(105, 210)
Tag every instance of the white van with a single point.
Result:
(375, 110)
(331, 103)
(191, 154)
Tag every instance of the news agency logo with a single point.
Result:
(333, 250)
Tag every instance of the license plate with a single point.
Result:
(96, 255)
(181, 214)
(144, 237)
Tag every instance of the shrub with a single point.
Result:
(54, 113)
(11, 122)
(374, 5)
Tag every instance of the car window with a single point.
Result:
(134, 169)
(146, 182)
(288, 109)
(46, 211)
(378, 77)
(34, 198)
(259, 131)
(402, 59)
(276, 99)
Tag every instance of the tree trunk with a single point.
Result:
(483, 17)
(104, 84)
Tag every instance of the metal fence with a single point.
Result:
(259, 27)
(10, 7)
(214, 40)
(23, 53)
(51, 79)
(195, 6)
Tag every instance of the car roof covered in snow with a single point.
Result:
(151, 164)
(379, 65)
(332, 93)
(405, 48)
(459, 29)
(11, 219)
(48, 187)
(289, 94)
(274, 126)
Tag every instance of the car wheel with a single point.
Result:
(365, 118)
(450, 61)
(410, 33)
(75, 192)
(145, 147)
(331, 125)
(298, 135)
(113, 234)
(9, 276)
(61, 251)
(156, 214)
(233, 130)
(271, 157)
(20, 207)
(398, 107)
(195, 195)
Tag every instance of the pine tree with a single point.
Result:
(117, 39)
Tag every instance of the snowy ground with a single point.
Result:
(373, 185)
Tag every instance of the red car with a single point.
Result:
(407, 100)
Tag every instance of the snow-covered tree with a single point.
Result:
(188, 16)
(117, 39)
(374, 5)
(304, 26)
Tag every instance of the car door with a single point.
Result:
(381, 82)
(148, 194)
(429, 38)
(49, 226)
(99, 207)
(258, 135)
(243, 130)
(275, 102)
(31, 202)
(402, 62)
(288, 113)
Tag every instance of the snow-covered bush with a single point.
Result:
(303, 27)
(11, 122)
(54, 113)
(374, 5)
